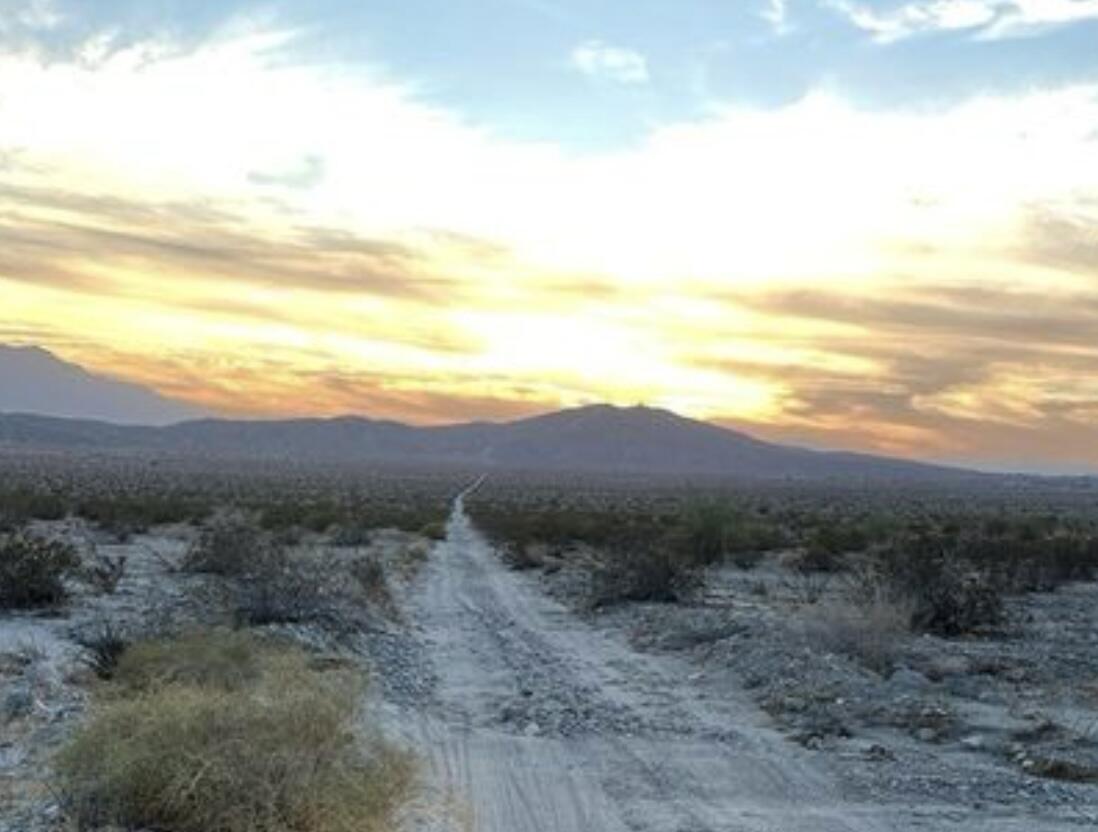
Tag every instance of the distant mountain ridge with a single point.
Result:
(594, 439)
(33, 380)
(46, 403)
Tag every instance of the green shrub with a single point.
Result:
(271, 753)
(434, 531)
(32, 570)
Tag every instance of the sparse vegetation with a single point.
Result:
(104, 644)
(33, 569)
(643, 571)
(222, 732)
(104, 572)
(229, 545)
(869, 629)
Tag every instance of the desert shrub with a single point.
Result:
(412, 557)
(104, 572)
(104, 644)
(32, 570)
(369, 574)
(950, 596)
(20, 505)
(709, 532)
(268, 585)
(643, 571)
(124, 515)
(272, 753)
(957, 602)
(838, 538)
(805, 587)
(869, 629)
(816, 558)
(228, 545)
(525, 557)
(352, 534)
(222, 659)
(434, 531)
(279, 589)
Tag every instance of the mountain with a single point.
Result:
(33, 380)
(597, 438)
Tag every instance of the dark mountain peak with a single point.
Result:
(34, 380)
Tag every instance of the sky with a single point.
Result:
(840, 223)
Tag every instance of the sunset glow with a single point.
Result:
(249, 215)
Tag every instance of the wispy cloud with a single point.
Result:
(776, 13)
(597, 59)
(986, 19)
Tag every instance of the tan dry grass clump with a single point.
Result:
(183, 743)
(871, 630)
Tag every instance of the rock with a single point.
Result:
(926, 735)
(975, 742)
(906, 680)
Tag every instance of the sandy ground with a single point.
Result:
(539, 722)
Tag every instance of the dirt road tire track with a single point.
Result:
(542, 724)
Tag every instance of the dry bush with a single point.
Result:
(271, 753)
(229, 545)
(950, 595)
(412, 557)
(268, 585)
(806, 588)
(643, 572)
(105, 644)
(104, 572)
(369, 573)
(222, 659)
(32, 571)
(279, 589)
(869, 630)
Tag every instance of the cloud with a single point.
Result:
(955, 373)
(600, 60)
(33, 16)
(752, 265)
(776, 13)
(304, 173)
(987, 19)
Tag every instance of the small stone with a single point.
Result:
(974, 742)
(906, 679)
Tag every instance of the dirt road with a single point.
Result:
(541, 724)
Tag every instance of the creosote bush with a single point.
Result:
(180, 742)
(32, 570)
(643, 571)
(949, 594)
(228, 545)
